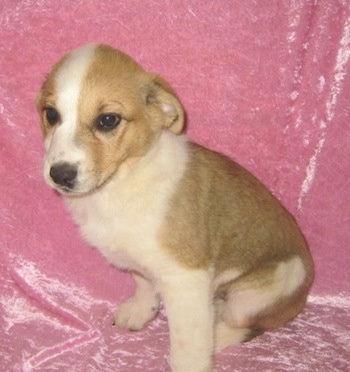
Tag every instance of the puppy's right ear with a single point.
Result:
(161, 96)
(40, 94)
(38, 100)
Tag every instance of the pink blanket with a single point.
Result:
(266, 82)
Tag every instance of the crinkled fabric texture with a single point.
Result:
(265, 82)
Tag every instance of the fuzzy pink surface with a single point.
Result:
(266, 82)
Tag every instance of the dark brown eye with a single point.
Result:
(108, 122)
(52, 115)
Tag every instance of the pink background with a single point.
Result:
(266, 82)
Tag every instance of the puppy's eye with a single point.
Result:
(52, 115)
(108, 122)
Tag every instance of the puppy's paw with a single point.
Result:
(135, 313)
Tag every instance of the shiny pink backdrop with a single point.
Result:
(266, 82)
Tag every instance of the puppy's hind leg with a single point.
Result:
(225, 334)
(139, 309)
(264, 299)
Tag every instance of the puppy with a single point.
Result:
(195, 229)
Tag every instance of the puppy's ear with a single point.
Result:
(38, 100)
(159, 94)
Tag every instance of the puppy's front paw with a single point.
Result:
(135, 313)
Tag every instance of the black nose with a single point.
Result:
(64, 174)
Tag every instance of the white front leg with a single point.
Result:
(187, 298)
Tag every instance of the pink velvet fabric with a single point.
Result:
(266, 82)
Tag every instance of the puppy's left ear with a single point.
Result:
(161, 96)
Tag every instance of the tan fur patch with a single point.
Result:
(223, 214)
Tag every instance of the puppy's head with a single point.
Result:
(99, 109)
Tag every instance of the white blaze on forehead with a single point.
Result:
(70, 76)
(68, 82)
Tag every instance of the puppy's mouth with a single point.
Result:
(72, 191)
(66, 190)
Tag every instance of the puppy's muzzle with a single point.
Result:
(64, 175)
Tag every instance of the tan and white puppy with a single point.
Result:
(196, 230)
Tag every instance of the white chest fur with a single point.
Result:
(123, 218)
